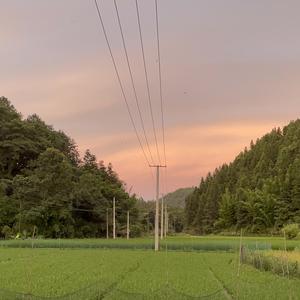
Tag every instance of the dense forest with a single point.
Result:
(259, 191)
(46, 188)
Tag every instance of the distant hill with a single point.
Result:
(176, 199)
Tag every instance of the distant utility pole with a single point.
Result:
(156, 229)
(166, 220)
(128, 225)
(20, 215)
(114, 218)
(107, 223)
(162, 218)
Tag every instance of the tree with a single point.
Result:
(258, 191)
(44, 183)
(44, 195)
(227, 212)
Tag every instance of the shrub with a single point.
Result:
(6, 231)
(291, 231)
(135, 231)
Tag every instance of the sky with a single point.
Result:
(230, 73)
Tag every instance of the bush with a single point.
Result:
(135, 231)
(6, 231)
(291, 231)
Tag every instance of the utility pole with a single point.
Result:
(114, 218)
(148, 224)
(162, 218)
(166, 220)
(20, 217)
(128, 225)
(107, 223)
(156, 229)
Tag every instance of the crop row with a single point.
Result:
(111, 274)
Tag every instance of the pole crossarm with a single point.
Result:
(157, 166)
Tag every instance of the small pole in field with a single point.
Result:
(33, 233)
(114, 218)
(128, 225)
(148, 224)
(240, 253)
(166, 221)
(107, 223)
(162, 218)
(287, 265)
(239, 266)
(20, 217)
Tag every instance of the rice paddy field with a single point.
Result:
(185, 268)
(183, 243)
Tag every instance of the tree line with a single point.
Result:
(45, 187)
(259, 191)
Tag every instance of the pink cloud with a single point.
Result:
(192, 151)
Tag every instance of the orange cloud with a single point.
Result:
(192, 151)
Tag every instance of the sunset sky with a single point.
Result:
(231, 72)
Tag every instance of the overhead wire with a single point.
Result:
(160, 80)
(120, 82)
(146, 78)
(165, 188)
(132, 81)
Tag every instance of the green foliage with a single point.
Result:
(126, 274)
(6, 231)
(291, 231)
(259, 191)
(45, 185)
(174, 243)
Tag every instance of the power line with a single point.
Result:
(119, 80)
(132, 81)
(160, 84)
(146, 77)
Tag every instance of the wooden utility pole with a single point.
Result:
(20, 214)
(162, 218)
(107, 223)
(128, 230)
(156, 229)
(114, 218)
(166, 220)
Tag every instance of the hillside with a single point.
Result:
(259, 191)
(46, 187)
(177, 198)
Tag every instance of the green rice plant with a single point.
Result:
(213, 243)
(125, 274)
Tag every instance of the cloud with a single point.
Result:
(192, 152)
(226, 79)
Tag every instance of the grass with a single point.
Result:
(182, 243)
(126, 274)
(109, 269)
(291, 256)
